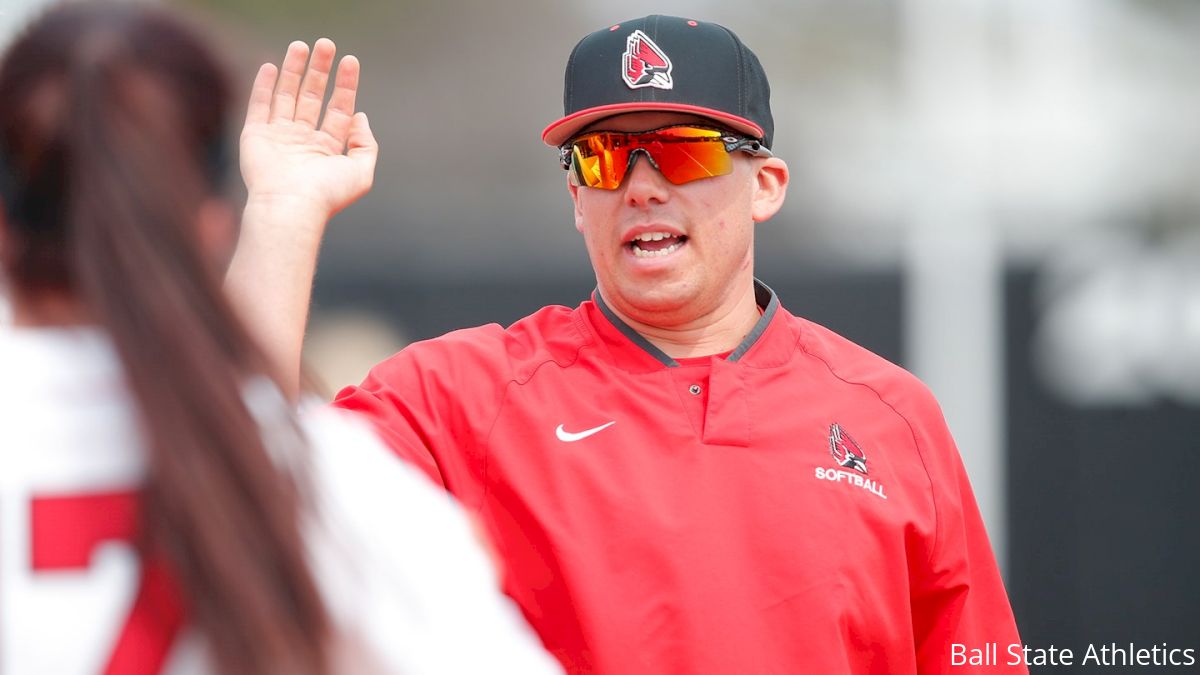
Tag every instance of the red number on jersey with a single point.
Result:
(67, 530)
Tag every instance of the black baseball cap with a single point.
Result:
(664, 63)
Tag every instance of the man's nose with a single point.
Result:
(644, 184)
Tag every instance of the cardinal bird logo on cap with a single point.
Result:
(646, 65)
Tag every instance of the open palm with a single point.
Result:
(290, 154)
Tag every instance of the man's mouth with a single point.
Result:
(656, 244)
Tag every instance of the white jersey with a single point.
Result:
(396, 560)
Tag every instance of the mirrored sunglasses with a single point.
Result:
(682, 153)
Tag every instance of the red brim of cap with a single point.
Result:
(559, 131)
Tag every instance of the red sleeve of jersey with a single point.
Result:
(959, 603)
(395, 421)
(432, 404)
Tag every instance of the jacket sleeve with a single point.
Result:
(432, 404)
(958, 599)
(409, 601)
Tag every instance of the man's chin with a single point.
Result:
(656, 304)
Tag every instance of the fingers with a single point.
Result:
(312, 89)
(259, 108)
(283, 105)
(340, 113)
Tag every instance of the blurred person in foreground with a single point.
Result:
(680, 475)
(161, 509)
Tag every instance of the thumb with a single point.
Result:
(360, 144)
(362, 149)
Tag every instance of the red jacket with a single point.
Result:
(796, 506)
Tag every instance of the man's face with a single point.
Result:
(704, 261)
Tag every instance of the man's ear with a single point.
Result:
(770, 188)
(574, 190)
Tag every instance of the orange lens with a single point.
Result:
(689, 153)
(682, 154)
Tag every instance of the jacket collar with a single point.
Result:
(634, 352)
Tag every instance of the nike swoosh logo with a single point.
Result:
(568, 437)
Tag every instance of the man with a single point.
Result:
(679, 476)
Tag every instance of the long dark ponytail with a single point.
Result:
(111, 128)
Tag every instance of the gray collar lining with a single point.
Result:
(633, 335)
(763, 295)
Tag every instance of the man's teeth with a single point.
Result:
(652, 236)
(640, 253)
(672, 241)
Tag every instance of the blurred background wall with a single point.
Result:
(998, 194)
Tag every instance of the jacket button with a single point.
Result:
(694, 389)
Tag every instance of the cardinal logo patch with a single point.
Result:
(845, 451)
(644, 63)
(850, 456)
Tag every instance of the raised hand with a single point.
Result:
(290, 161)
(298, 175)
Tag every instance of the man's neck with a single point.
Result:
(716, 332)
